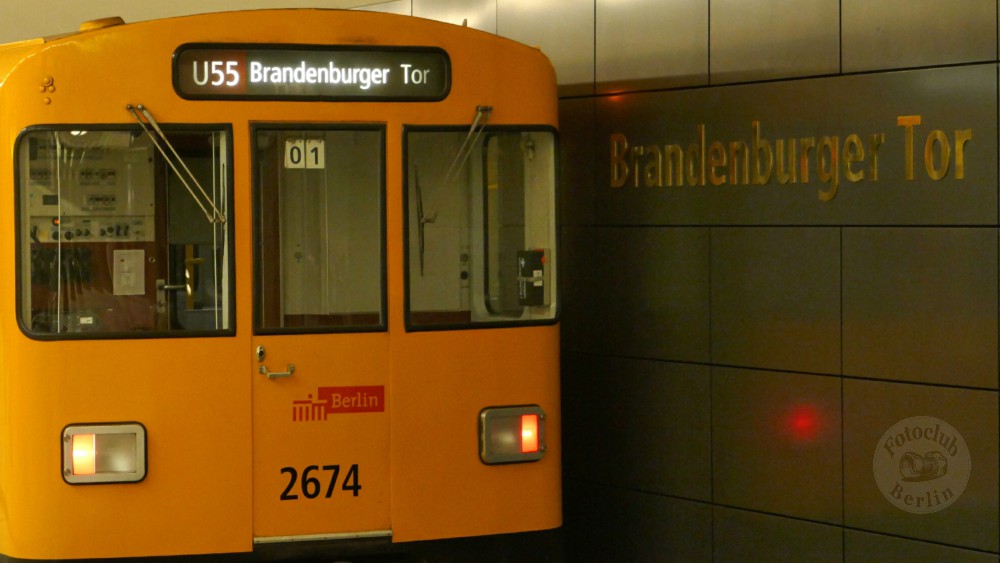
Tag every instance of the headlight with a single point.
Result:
(511, 434)
(104, 453)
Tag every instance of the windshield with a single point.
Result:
(480, 227)
(112, 240)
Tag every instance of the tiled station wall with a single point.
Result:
(729, 373)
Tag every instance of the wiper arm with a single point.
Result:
(155, 134)
(422, 220)
(478, 124)
(468, 145)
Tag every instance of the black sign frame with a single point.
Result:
(222, 63)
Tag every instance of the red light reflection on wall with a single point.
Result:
(804, 423)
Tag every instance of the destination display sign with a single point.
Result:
(311, 72)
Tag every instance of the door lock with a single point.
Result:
(262, 369)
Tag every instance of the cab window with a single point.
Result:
(480, 225)
(117, 238)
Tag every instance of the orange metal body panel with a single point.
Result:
(334, 440)
(217, 430)
(440, 488)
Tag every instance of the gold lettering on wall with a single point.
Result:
(908, 122)
(786, 166)
(796, 160)
(761, 175)
(937, 138)
(874, 142)
(829, 168)
(854, 152)
(962, 136)
(619, 169)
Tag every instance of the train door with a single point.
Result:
(321, 369)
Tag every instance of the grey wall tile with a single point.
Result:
(908, 33)
(652, 292)
(747, 537)
(635, 131)
(921, 305)
(773, 39)
(776, 298)
(776, 443)
(645, 44)
(577, 275)
(401, 7)
(659, 439)
(479, 14)
(614, 524)
(874, 410)
(862, 547)
(580, 328)
(564, 29)
(577, 160)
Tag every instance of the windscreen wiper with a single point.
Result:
(155, 134)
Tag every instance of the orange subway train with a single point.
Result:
(277, 279)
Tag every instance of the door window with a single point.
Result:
(319, 229)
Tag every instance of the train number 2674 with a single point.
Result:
(313, 478)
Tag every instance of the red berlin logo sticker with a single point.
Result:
(339, 400)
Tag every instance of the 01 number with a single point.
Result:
(305, 153)
(311, 486)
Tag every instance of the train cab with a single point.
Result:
(277, 277)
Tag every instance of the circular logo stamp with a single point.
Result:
(922, 464)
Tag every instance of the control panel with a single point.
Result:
(91, 229)
(96, 189)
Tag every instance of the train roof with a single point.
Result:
(317, 26)
(108, 63)
(115, 24)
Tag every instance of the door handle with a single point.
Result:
(162, 287)
(262, 369)
(276, 374)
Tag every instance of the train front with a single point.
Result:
(281, 278)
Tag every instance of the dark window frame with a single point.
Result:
(409, 324)
(258, 282)
(20, 216)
